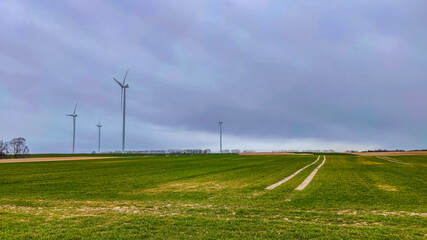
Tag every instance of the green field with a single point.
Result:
(214, 197)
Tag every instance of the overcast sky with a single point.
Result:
(280, 74)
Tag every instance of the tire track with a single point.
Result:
(291, 176)
(311, 176)
(393, 160)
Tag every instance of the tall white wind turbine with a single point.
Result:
(123, 106)
(99, 135)
(220, 136)
(74, 115)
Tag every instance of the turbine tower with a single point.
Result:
(123, 107)
(74, 115)
(99, 136)
(220, 136)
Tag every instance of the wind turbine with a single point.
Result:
(99, 136)
(74, 115)
(123, 107)
(220, 136)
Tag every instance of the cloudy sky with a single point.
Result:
(280, 74)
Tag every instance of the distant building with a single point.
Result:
(249, 151)
(174, 151)
(235, 151)
(158, 152)
(193, 151)
(320, 151)
(169, 151)
(285, 151)
(329, 151)
(139, 152)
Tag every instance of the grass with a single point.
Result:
(213, 197)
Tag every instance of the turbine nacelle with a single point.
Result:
(74, 113)
(120, 84)
(123, 86)
(124, 80)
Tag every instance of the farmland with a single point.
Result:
(215, 196)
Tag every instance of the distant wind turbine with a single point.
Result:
(220, 136)
(74, 115)
(123, 107)
(99, 136)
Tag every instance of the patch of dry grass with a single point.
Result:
(387, 187)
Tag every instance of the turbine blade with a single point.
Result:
(121, 85)
(75, 109)
(125, 77)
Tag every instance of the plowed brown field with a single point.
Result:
(409, 153)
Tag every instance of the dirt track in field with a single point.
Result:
(273, 153)
(393, 160)
(291, 176)
(51, 159)
(311, 176)
(409, 153)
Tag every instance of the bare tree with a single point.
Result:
(18, 147)
(4, 149)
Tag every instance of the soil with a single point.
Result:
(392, 153)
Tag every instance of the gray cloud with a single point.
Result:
(336, 74)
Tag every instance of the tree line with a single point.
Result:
(15, 147)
